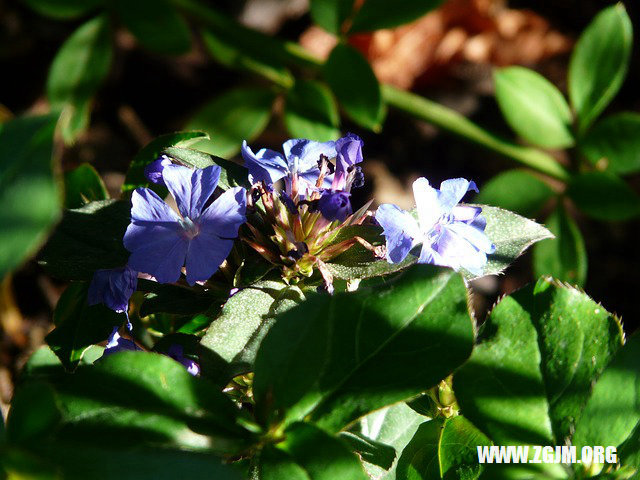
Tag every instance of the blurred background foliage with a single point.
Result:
(506, 93)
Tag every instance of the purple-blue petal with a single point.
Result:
(303, 155)
(177, 353)
(266, 166)
(117, 344)
(153, 171)
(335, 205)
(191, 188)
(400, 230)
(452, 191)
(113, 287)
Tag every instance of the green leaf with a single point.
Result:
(235, 336)
(87, 239)
(156, 24)
(629, 451)
(29, 199)
(63, 9)
(78, 70)
(511, 234)
(531, 373)
(331, 14)
(236, 115)
(563, 257)
(393, 426)
(355, 85)
(83, 185)
(604, 196)
(599, 63)
(378, 14)
(516, 190)
(33, 414)
(78, 325)
(311, 112)
(135, 175)
(231, 175)
(370, 451)
(177, 300)
(321, 456)
(533, 107)
(243, 57)
(419, 459)
(613, 412)
(423, 314)
(614, 143)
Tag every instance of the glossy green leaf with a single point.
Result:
(156, 24)
(321, 455)
(87, 239)
(29, 198)
(423, 314)
(78, 325)
(613, 412)
(533, 107)
(531, 373)
(393, 426)
(135, 175)
(176, 299)
(77, 71)
(419, 459)
(370, 451)
(378, 14)
(83, 185)
(516, 190)
(33, 414)
(599, 63)
(629, 451)
(604, 196)
(63, 8)
(614, 143)
(276, 465)
(331, 14)
(236, 115)
(511, 234)
(355, 86)
(563, 257)
(231, 175)
(311, 112)
(235, 336)
(242, 57)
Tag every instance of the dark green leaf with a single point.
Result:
(533, 107)
(29, 199)
(565, 256)
(78, 325)
(63, 8)
(87, 239)
(231, 175)
(178, 300)
(33, 414)
(378, 14)
(458, 453)
(599, 63)
(370, 451)
(238, 57)
(629, 451)
(419, 459)
(423, 314)
(156, 24)
(531, 373)
(234, 337)
(236, 115)
(83, 185)
(393, 426)
(613, 412)
(78, 70)
(311, 112)
(511, 234)
(516, 190)
(331, 14)
(135, 175)
(322, 456)
(604, 196)
(614, 143)
(355, 85)
(277, 465)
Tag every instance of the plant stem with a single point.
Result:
(419, 107)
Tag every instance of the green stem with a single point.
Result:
(452, 121)
(420, 107)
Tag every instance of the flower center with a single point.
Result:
(190, 228)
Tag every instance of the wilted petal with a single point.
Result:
(400, 230)
(452, 191)
(191, 188)
(266, 166)
(427, 204)
(113, 287)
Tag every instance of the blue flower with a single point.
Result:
(349, 153)
(153, 171)
(161, 242)
(177, 353)
(299, 162)
(451, 235)
(113, 287)
(117, 344)
(335, 205)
